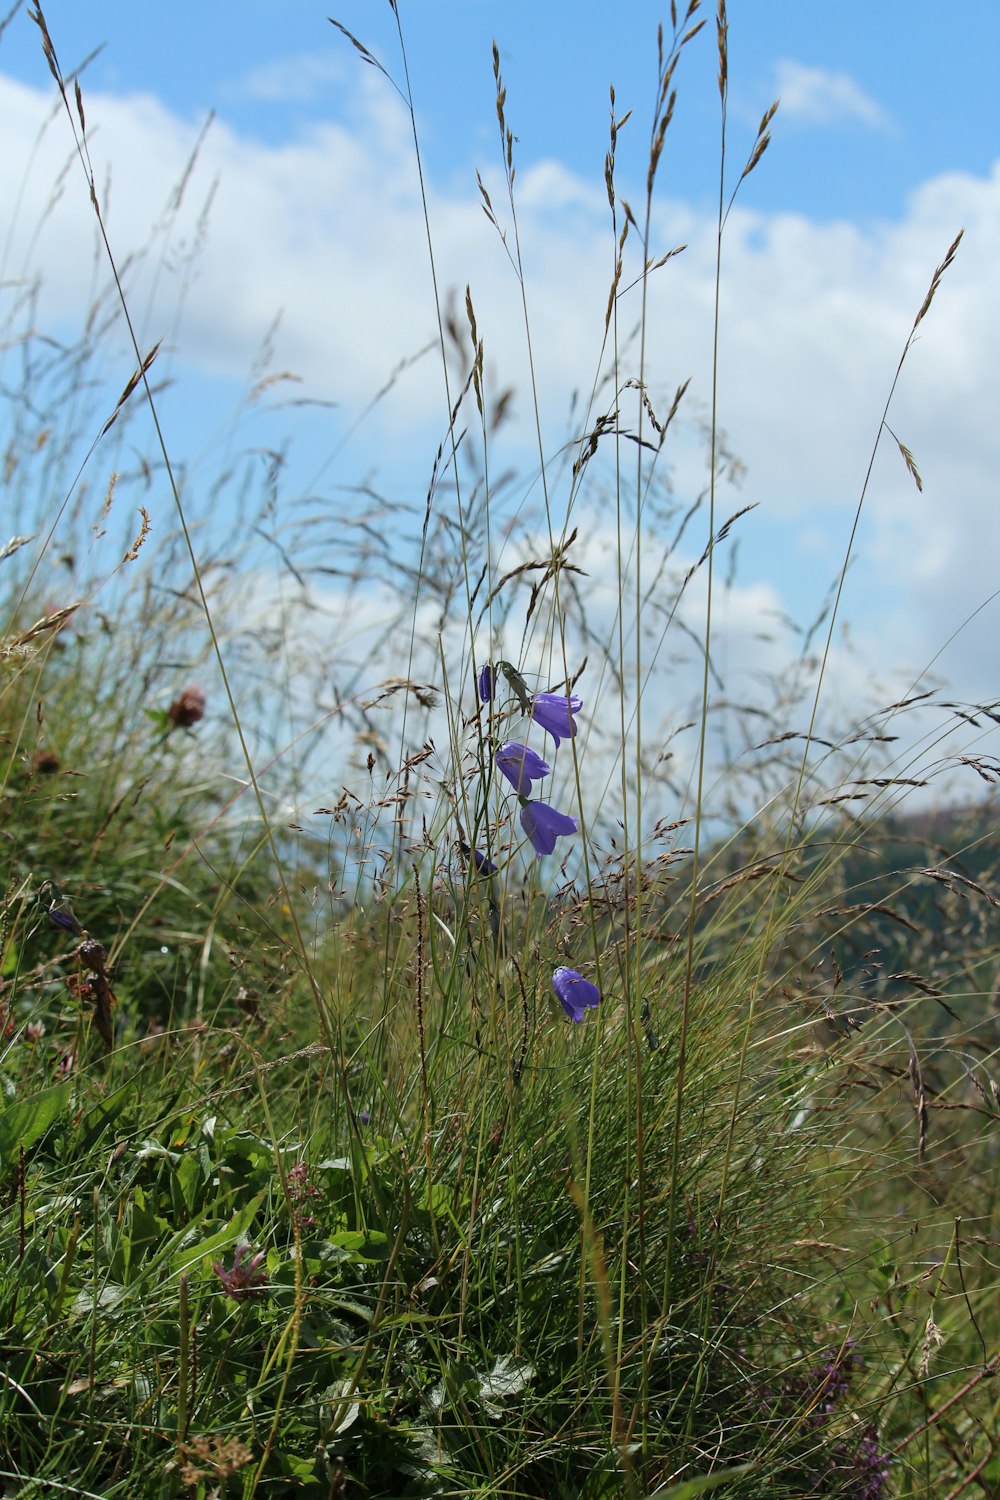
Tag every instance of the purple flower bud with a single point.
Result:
(574, 993)
(521, 766)
(554, 711)
(483, 865)
(60, 914)
(543, 825)
(486, 681)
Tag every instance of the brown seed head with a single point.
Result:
(188, 708)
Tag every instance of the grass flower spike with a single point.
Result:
(574, 993)
(521, 766)
(543, 825)
(554, 711)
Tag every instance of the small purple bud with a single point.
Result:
(486, 684)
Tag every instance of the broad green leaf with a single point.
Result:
(22, 1124)
(701, 1484)
(188, 1254)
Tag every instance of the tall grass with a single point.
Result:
(327, 1169)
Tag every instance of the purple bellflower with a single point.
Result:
(486, 683)
(483, 865)
(574, 993)
(543, 825)
(61, 915)
(554, 711)
(521, 766)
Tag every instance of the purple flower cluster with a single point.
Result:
(828, 1382)
(523, 766)
(855, 1472)
(542, 823)
(870, 1468)
(244, 1278)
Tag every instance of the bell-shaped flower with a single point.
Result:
(521, 766)
(62, 915)
(554, 711)
(484, 865)
(543, 825)
(486, 683)
(574, 993)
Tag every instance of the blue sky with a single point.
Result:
(929, 77)
(886, 143)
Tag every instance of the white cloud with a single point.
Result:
(817, 96)
(294, 80)
(328, 227)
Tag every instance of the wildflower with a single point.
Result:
(521, 766)
(300, 1190)
(299, 1186)
(830, 1381)
(554, 711)
(543, 825)
(486, 684)
(871, 1467)
(483, 865)
(246, 1279)
(574, 993)
(188, 708)
(860, 1473)
(61, 915)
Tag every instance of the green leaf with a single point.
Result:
(361, 1244)
(301, 1470)
(189, 1254)
(701, 1484)
(22, 1124)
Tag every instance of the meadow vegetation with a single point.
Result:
(546, 1110)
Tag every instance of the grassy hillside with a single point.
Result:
(442, 1134)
